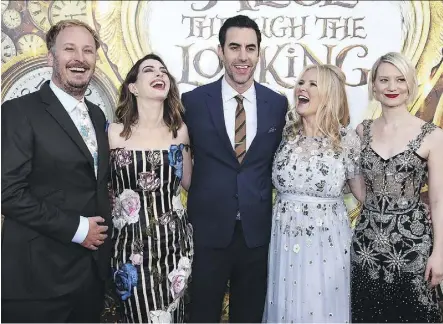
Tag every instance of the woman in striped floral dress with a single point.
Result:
(150, 163)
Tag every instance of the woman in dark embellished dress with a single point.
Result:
(397, 255)
(150, 162)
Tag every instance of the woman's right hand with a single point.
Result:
(434, 268)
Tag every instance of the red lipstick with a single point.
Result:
(392, 96)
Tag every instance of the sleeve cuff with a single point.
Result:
(82, 230)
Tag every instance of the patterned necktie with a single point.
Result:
(87, 131)
(240, 129)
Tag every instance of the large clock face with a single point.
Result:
(34, 79)
(39, 13)
(11, 18)
(60, 10)
(30, 43)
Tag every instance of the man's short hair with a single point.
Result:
(52, 34)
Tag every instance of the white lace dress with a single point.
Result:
(309, 265)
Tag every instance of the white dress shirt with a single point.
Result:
(229, 107)
(70, 104)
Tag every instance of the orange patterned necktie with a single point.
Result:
(240, 129)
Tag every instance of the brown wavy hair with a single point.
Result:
(127, 111)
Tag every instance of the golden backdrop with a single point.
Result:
(184, 33)
(127, 34)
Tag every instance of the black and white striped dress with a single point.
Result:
(152, 238)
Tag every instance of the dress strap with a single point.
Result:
(366, 132)
(426, 129)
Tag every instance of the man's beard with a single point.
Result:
(235, 78)
(74, 89)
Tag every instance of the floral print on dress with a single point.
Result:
(137, 252)
(179, 277)
(310, 166)
(125, 280)
(177, 205)
(175, 157)
(148, 181)
(160, 316)
(310, 236)
(136, 258)
(126, 208)
(165, 218)
(159, 245)
(121, 157)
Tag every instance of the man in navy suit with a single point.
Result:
(235, 125)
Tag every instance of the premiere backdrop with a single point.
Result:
(349, 34)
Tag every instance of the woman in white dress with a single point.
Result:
(309, 266)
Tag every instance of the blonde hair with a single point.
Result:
(333, 111)
(53, 32)
(404, 66)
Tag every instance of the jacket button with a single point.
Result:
(236, 196)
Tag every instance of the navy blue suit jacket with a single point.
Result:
(220, 185)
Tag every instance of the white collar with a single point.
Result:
(229, 92)
(68, 101)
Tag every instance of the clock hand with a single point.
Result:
(74, 15)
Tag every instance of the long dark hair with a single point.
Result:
(127, 112)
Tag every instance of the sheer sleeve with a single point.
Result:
(351, 152)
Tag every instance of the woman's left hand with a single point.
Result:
(434, 269)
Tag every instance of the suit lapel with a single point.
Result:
(264, 111)
(61, 116)
(214, 102)
(264, 118)
(102, 145)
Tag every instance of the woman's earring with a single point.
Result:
(135, 93)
